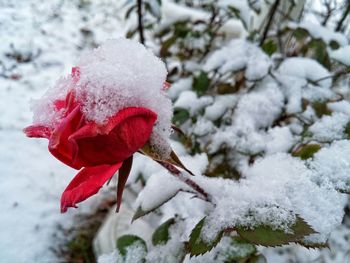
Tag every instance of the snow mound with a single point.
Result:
(238, 55)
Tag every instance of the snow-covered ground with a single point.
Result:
(40, 41)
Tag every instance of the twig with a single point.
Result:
(335, 75)
(271, 14)
(140, 22)
(342, 19)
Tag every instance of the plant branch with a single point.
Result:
(342, 19)
(193, 185)
(271, 14)
(140, 21)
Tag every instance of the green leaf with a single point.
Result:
(321, 108)
(161, 234)
(237, 14)
(140, 212)
(201, 83)
(226, 88)
(334, 44)
(300, 33)
(128, 240)
(180, 116)
(164, 50)
(319, 52)
(196, 245)
(307, 151)
(313, 245)
(181, 28)
(347, 129)
(129, 11)
(266, 236)
(238, 250)
(269, 47)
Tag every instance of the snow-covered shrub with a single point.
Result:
(264, 118)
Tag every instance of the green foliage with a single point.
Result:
(164, 50)
(321, 109)
(180, 116)
(347, 130)
(334, 44)
(197, 246)
(269, 47)
(161, 234)
(300, 34)
(237, 14)
(307, 151)
(319, 52)
(140, 212)
(201, 83)
(238, 250)
(128, 240)
(266, 236)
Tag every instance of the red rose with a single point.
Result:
(99, 150)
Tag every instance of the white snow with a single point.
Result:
(332, 165)
(305, 68)
(341, 54)
(135, 253)
(160, 188)
(276, 189)
(320, 32)
(180, 86)
(303, 78)
(220, 106)
(237, 55)
(256, 110)
(330, 127)
(190, 101)
(174, 12)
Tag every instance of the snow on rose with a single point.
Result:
(112, 105)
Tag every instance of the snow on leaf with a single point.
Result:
(128, 240)
(266, 236)
(161, 234)
(307, 151)
(196, 245)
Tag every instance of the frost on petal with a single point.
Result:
(122, 73)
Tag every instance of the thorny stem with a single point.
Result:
(140, 22)
(271, 14)
(178, 174)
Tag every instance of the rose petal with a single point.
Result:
(86, 183)
(122, 135)
(59, 146)
(38, 131)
